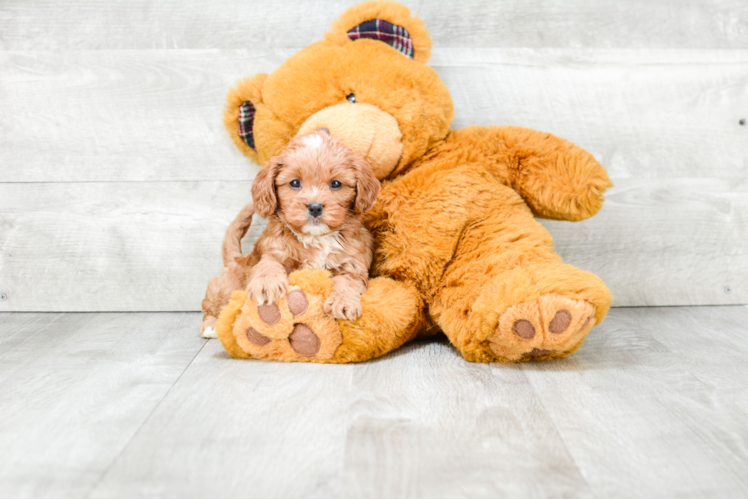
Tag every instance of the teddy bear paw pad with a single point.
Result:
(295, 328)
(304, 341)
(543, 328)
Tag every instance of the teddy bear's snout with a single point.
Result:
(364, 128)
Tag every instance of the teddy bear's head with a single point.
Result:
(367, 83)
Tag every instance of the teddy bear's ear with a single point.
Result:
(242, 102)
(388, 22)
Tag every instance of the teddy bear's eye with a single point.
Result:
(351, 98)
(335, 184)
(296, 183)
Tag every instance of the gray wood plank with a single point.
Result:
(657, 242)
(156, 115)
(720, 341)
(391, 427)
(426, 424)
(240, 428)
(119, 115)
(75, 388)
(154, 246)
(147, 24)
(624, 417)
(642, 114)
(654, 405)
(131, 246)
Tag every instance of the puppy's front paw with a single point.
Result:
(267, 289)
(208, 328)
(342, 306)
(209, 333)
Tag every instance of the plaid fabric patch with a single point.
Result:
(395, 36)
(246, 121)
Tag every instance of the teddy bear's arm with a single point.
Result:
(556, 178)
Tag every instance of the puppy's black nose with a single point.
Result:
(315, 209)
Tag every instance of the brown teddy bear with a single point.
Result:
(457, 246)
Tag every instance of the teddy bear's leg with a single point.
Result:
(538, 311)
(296, 328)
(506, 296)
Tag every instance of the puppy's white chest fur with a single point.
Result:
(324, 246)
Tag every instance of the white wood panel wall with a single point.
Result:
(231, 24)
(117, 179)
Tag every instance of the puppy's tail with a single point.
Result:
(232, 242)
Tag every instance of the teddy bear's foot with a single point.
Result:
(550, 327)
(295, 328)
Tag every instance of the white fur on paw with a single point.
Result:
(209, 333)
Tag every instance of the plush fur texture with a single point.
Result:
(314, 195)
(392, 315)
(457, 246)
(363, 127)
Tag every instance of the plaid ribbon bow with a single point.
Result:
(393, 35)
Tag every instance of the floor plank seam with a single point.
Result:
(145, 420)
(560, 435)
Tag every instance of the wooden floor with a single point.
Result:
(135, 404)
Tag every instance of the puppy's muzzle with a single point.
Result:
(315, 209)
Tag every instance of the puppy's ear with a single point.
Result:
(367, 186)
(263, 189)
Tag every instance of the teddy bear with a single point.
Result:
(457, 248)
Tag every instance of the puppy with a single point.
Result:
(314, 195)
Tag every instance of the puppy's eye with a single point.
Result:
(336, 185)
(351, 98)
(296, 183)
